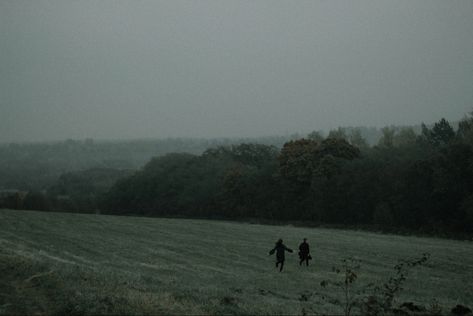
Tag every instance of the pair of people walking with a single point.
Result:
(280, 249)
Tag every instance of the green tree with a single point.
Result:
(387, 138)
(441, 133)
(465, 129)
(253, 154)
(35, 201)
(339, 133)
(338, 148)
(405, 137)
(356, 139)
(316, 135)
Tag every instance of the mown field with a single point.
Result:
(62, 263)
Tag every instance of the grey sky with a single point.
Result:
(198, 68)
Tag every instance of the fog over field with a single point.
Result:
(133, 69)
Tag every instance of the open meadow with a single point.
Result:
(64, 263)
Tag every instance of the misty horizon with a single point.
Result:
(287, 135)
(235, 69)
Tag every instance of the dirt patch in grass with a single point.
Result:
(26, 287)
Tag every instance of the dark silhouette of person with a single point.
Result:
(280, 250)
(304, 252)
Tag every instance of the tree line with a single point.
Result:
(416, 179)
(37, 166)
(421, 182)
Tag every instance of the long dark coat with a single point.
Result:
(280, 250)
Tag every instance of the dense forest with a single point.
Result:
(36, 166)
(417, 182)
(414, 179)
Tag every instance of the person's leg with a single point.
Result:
(307, 261)
(282, 265)
(303, 258)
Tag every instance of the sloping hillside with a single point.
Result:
(58, 263)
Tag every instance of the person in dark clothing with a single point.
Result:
(280, 250)
(304, 252)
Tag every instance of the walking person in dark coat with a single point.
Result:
(280, 250)
(304, 252)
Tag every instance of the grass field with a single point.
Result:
(63, 263)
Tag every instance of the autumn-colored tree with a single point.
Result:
(297, 158)
(302, 160)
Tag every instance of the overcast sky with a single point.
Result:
(197, 68)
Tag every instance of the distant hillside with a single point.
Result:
(35, 166)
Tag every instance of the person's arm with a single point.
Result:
(288, 249)
(272, 251)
